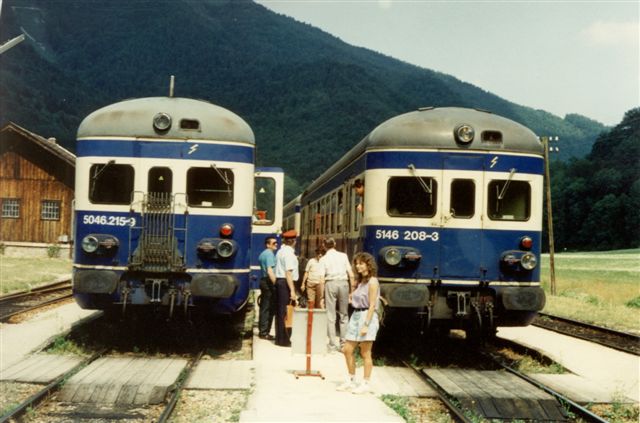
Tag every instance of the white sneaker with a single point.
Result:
(348, 385)
(363, 388)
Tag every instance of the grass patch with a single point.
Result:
(400, 405)
(602, 288)
(20, 273)
(61, 346)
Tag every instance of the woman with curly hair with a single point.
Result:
(364, 323)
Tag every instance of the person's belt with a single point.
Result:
(361, 309)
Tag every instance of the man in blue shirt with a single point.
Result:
(267, 261)
(286, 274)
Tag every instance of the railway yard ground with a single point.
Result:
(239, 377)
(270, 392)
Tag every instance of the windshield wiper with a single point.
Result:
(423, 184)
(94, 178)
(506, 185)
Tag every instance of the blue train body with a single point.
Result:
(451, 210)
(164, 208)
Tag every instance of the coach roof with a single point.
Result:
(434, 128)
(190, 119)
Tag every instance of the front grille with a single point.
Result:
(157, 249)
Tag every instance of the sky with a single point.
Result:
(560, 56)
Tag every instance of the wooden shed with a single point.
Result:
(36, 187)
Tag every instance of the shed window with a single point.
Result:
(111, 183)
(11, 208)
(210, 187)
(509, 200)
(50, 210)
(411, 196)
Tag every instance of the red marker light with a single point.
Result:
(226, 230)
(526, 243)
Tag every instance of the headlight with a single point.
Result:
(162, 121)
(464, 134)
(392, 257)
(225, 249)
(528, 261)
(90, 244)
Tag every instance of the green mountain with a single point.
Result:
(308, 96)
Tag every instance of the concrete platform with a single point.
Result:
(39, 368)
(617, 373)
(279, 397)
(581, 390)
(124, 380)
(19, 340)
(225, 374)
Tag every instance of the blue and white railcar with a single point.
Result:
(164, 202)
(451, 209)
(267, 215)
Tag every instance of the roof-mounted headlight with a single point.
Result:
(162, 122)
(464, 133)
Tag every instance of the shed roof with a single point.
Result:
(49, 145)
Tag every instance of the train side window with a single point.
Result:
(160, 180)
(509, 200)
(463, 198)
(407, 196)
(265, 201)
(111, 183)
(210, 187)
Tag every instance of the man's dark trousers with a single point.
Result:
(267, 306)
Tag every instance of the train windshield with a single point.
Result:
(411, 196)
(509, 200)
(264, 201)
(111, 183)
(210, 187)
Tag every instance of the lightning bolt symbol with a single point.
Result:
(194, 147)
(494, 161)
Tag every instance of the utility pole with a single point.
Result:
(12, 42)
(547, 177)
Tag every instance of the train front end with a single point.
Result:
(164, 198)
(453, 213)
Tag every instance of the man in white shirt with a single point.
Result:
(338, 278)
(286, 273)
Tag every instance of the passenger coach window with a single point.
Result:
(110, 183)
(265, 201)
(410, 196)
(210, 187)
(463, 198)
(509, 200)
(160, 180)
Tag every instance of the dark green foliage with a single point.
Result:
(596, 200)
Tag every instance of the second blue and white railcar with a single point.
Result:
(452, 211)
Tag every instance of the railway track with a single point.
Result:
(467, 403)
(45, 393)
(22, 302)
(611, 338)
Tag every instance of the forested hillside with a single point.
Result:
(596, 199)
(308, 96)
